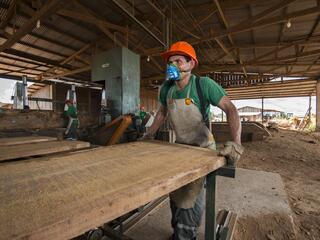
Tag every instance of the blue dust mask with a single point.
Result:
(173, 73)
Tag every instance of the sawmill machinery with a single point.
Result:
(118, 70)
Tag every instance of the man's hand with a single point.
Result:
(232, 151)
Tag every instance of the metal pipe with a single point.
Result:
(137, 21)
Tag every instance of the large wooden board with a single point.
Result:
(40, 148)
(65, 196)
(23, 140)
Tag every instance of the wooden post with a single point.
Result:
(54, 97)
(262, 109)
(89, 101)
(318, 107)
(309, 109)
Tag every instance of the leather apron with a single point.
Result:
(187, 122)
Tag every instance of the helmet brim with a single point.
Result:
(168, 54)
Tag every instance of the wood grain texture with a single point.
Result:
(64, 196)
(40, 148)
(22, 140)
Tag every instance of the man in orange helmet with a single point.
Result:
(186, 100)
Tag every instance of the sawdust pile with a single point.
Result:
(270, 227)
(296, 157)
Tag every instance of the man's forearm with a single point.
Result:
(158, 120)
(234, 124)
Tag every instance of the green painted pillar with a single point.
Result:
(210, 227)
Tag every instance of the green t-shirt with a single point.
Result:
(142, 114)
(212, 92)
(72, 112)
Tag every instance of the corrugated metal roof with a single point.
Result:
(59, 37)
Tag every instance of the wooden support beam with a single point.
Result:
(302, 42)
(68, 59)
(40, 59)
(225, 22)
(6, 36)
(133, 18)
(267, 12)
(45, 11)
(291, 57)
(305, 87)
(10, 13)
(98, 22)
(314, 27)
(107, 32)
(280, 95)
(27, 12)
(16, 59)
(90, 19)
(21, 67)
(247, 26)
(67, 73)
(312, 41)
(318, 106)
(10, 70)
(253, 37)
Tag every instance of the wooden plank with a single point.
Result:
(318, 106)
(64, 196)
(39, 148)
(23, 140)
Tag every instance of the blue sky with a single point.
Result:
(298, 105)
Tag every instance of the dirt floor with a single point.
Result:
(296, 157)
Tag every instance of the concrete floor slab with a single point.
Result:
(250, 194)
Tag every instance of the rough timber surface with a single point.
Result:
(64, 196)
(22, 140)
(40, 148)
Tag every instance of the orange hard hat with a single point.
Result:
(181, 48)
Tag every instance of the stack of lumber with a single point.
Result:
(22, 140)
(22, 147)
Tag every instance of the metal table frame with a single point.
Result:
(210, 224)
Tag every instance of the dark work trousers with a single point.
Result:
(72, 132)
(185, 222)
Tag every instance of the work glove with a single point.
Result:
(232, 152)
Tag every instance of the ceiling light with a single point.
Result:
(289, 23)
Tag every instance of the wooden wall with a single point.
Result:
(149, 99)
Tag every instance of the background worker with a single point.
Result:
(71, 114)
(185, 99)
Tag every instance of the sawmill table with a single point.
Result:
(64, 196)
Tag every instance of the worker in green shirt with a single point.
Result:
(73, 122)
(185, 99)
(143, 113)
